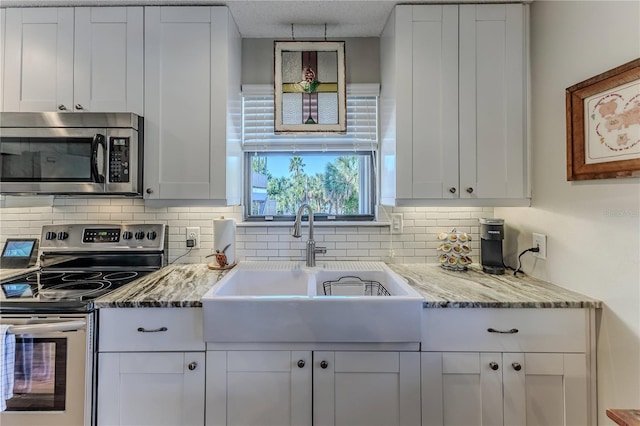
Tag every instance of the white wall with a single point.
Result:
(593, 227)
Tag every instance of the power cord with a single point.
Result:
(174, 260)
(532, 249)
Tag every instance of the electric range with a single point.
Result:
(80, 262)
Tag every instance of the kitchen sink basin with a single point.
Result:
(346, 302)
(247, 282)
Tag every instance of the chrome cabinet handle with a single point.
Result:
(494, 366)
(516, 366)
(62, 107)
(301, 363)
(324, 364)
(149, 191)
(78, 106)
(470, 190)
(156, 330)
(512, 331)
(452, 190)
(192, 365)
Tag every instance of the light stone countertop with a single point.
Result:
(475, 289)
(173, 286)
(184, 285)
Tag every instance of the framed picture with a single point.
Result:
(603, 125)
(310, 87)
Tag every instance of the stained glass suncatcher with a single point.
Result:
(310, 87)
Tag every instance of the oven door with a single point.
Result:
(51, 372)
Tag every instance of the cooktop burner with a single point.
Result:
(66, 286)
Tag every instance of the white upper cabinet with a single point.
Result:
(453, 105)
(108, 66)
(192, 104)
(74, 59)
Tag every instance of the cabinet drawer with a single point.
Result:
(513, 330)
(150, 329)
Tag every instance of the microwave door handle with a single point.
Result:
(98, 139)
(47, 327)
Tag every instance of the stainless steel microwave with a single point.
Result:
(71, 153)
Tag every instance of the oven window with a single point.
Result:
(45, 159)
(40, 374)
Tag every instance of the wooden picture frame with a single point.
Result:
(603, 125)
(308, 75)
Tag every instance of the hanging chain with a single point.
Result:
(293, 37)
(325, 31)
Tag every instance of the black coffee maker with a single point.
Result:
(491, 236)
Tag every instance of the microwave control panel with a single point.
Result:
(118, 159)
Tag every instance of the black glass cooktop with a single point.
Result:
(65, 286)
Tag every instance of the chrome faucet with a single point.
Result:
(311, 244)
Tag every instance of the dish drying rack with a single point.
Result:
(354, 286)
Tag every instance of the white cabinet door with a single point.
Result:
(192, 89)
(493, 158)
(453, 105)
(108, 59)
(66, 59)
(431, 157)
(38, 67)
(259, 388)
(3, 32)
(366, 388)
(510, 389)
(462, 388)
(151, 388)
(545, 389)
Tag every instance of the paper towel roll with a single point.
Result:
(224, 233)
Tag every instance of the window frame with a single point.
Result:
(320, 217)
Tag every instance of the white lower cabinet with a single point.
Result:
(495, 389)
(151, 367)
(151, 388)
(320, 388)
(511, 367)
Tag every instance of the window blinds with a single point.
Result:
(362, 123)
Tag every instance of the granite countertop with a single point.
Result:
(184, 285)
(180, 286)
(475, 289)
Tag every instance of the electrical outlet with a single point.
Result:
(397, 224)
(193, 233)
(540, 241)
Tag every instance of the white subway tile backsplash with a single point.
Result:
(416, 244)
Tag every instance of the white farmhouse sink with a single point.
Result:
(261, 302)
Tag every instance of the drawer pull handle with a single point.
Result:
(144, 330)
(494, 366)
(516, 366)
(192, 365)
(512, 331)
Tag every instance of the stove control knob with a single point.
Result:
(151, 235)
(50, 235)
(139, 235)
(127, 235)
(63, 235)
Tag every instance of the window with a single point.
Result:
(333, 173)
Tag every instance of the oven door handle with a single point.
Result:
(47, 327)
(98, 139)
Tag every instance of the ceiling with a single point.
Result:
(273, 19)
